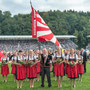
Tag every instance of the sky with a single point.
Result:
(23, 6)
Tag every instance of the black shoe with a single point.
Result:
(49, 86)
(42, 86)
(84, 72)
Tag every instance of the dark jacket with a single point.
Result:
(84, 54)
(47, 64)
(84, 57)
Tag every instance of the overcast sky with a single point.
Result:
(23, 6)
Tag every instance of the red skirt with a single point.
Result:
(80, 68)
(31, 72)
(54, 67)
(27, 71)
(72, 72)
(66, 67)
(5, 69)
(20, 72)
(59, 70)
(13, 69)
(38, 67)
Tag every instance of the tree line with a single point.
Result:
(60, 22)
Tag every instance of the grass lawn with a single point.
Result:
(84, 85)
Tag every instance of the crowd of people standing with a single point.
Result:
(31, 64)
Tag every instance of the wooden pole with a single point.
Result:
(39, 45)
(30, 2)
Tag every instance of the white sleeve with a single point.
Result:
(53, 56)
(76, 57)
(63, 55)
(7, 58)
(22, 57)
(82, 57)
(35, 57)
(67, 57)
(16, 58)
(50, 61)
(29, 58)
(12, 58)
(25, 58)
(2, 59)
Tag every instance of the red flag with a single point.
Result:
(34, 23)
(41, 30)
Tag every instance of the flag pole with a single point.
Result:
(39, 47)
(31, 3)
(37, 39)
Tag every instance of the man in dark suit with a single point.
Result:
(45, 67)
(84, 54)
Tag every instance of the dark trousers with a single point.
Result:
(45, 70)
(84, 67)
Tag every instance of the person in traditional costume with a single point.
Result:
(14, 58)
(80, 65)
(32, 71)
(4, 67)
(72, 67)
(20, 73)
(38, 64)
(59, 69)
(66, 65)
(54, 64)
(26, 59)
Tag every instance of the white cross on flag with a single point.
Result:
(41, 30)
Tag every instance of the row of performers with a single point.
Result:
(28, 66)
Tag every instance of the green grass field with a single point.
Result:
(84, 85)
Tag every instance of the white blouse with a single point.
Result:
(66, 57)
(58, 56)
(63, 56)
(74, 57)
(30, 59)
(14, 58)
(25, 57)
(5, 58)
(79, 58)
(20, 58)
(35, 57)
